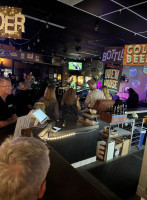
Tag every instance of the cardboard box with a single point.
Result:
(111, 118)
(118, 148)
(101, 150)
(110, 150)
(125, 144)
(105, 150)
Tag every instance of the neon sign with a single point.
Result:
(11, 22)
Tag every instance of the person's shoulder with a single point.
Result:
(98, 91)
(1, 100)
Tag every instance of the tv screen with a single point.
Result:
(75, 66)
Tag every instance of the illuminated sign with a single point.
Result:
(133, 71)
(11, 22)
(145, 69)
(113, 55)
(135, 54)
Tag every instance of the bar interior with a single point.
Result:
(73, 75)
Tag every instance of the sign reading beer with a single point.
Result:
(11, 22)
(135, 54)
(113, 55)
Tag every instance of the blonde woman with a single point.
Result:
(51, 103)
(106, 92)
(71, 105)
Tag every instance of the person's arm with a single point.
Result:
(78, 103)
(9, 121)
(56, 111)
(63, 98)
(86, 105)
(87, 101)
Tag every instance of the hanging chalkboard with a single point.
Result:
(112, 76)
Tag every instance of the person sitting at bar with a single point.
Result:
(51, 103)
(106, 92)
(94, 94)
(71, 105)
(133, 100)
(24, 164)
(7, 111)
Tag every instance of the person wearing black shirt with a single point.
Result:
(133, 100)
(7, 112)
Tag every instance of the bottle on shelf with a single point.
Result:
(114, 110)
(118, 110)
(125, 107)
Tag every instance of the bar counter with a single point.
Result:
(65, 183)
(75, 142)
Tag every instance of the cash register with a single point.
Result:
(36, 118)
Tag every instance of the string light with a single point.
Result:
(47, 26)
(38, 40)
(61, 137)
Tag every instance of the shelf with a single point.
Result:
(135, 141)
(135, 137)
(120, 131)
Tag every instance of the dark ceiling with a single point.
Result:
(82, 29)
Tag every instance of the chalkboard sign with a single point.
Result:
(112, 76)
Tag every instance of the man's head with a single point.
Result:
(24, 163)
(5, 86)
(92, 84)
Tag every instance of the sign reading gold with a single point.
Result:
(11, 22)
(135, 54)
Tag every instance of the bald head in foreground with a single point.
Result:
(24, 163)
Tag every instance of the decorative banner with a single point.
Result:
(135, 54)
(112, 78)
(133, 72)
(11, 22)
(113, 55)
(145, 69)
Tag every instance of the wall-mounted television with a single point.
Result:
(75, 66)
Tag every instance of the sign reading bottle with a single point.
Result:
(135, 54)
(113, 55)
(11, 22)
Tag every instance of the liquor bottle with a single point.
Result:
(123, 109)
(118, 110)
(114, 110)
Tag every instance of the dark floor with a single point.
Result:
(117, 179)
